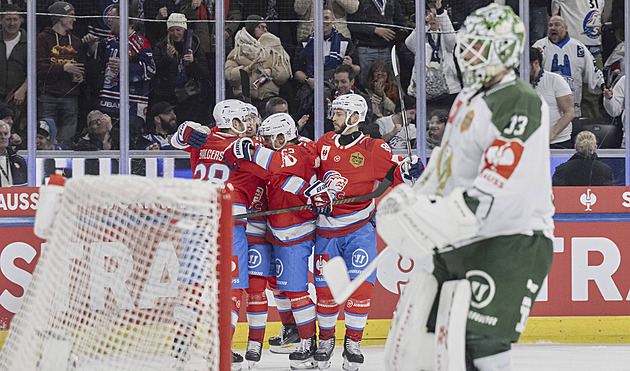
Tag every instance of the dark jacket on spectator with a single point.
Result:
(18, 169)
(53, 51)
(88, 142)
(13, 70)
(583, 170)
(363, 32)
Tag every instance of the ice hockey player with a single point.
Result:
(350, 165)
(485, 199)
(289, 168)
(206, 159)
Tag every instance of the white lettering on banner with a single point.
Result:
(582, 273)
(626, 198)
(12, 252)
(558, 247)
(165, 258)
(109, 276)
(23, 201)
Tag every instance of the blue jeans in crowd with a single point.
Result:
(64, 110)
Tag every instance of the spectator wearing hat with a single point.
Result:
(12, 56)
(260, 55)
(7, 115)
(46, 135)
(182, 74)
(12, 166)
(161, 126)
(60, 61)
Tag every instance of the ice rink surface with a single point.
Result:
(525, 357)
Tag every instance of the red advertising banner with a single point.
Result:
(590, 260)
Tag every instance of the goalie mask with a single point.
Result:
(278, 123)
(351, 103)
(490, 41)
(226, 111)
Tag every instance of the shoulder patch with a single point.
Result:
(516, 109)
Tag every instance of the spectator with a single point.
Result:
(583, 168)
(141, 71)
(158, 10)
(461, 9)
(345, 84)
(46, 135)
(12, 166)
(437, 125)
(99, 134)
(614, 101)
(391, 128)
(161, 126)
(376, 41)
(569, 58)
(537, 19)
(260, 56)
(60, 61)
(443, 83)
(181, 76)
(338, 49)
(584, 23)
(6, 115)
(382, 88)
(339, 8)
(12, 56)
(198, 10)
(557, 93)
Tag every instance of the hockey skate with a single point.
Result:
(324, 352)
(287, 341)
(237, 361)
(252, 356)
(179, 351)
(352, 357)
(302, 358)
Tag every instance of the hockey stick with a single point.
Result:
(336, 275)
(403, 112)
(389, 179)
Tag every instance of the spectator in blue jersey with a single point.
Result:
(182, 74)
(141, 70)
(161, 125)
(60, 61)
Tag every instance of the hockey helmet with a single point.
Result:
(227, 110)
(278, 123)
(351, 103)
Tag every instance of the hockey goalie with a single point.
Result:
(483, 208)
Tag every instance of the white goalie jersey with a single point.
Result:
(496, 147)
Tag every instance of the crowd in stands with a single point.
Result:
(577, 65)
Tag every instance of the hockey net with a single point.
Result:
(129, 279)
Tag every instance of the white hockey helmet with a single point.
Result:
(495, 37)
(252, 120)
(351, 103)
(227, 110)
(278, 123)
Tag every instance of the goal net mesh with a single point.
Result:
(127, 279)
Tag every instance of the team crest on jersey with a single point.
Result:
(320, 261)
(257, 202)
(335, 183)
(325, 152)
(288, 160)
(467, 121)
(357, 159)
(501, 158)
(445, 160)
(592, 23)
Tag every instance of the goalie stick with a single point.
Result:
(385, 183)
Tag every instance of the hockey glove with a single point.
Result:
(238, 150)
(412, 169)
(192, 134)
(320, 198)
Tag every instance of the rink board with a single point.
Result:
(584, 300)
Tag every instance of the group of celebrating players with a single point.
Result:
(271, 167)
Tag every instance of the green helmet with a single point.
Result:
(491, 39)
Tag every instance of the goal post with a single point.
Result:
(135, 274)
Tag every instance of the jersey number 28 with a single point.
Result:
(216, 173)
